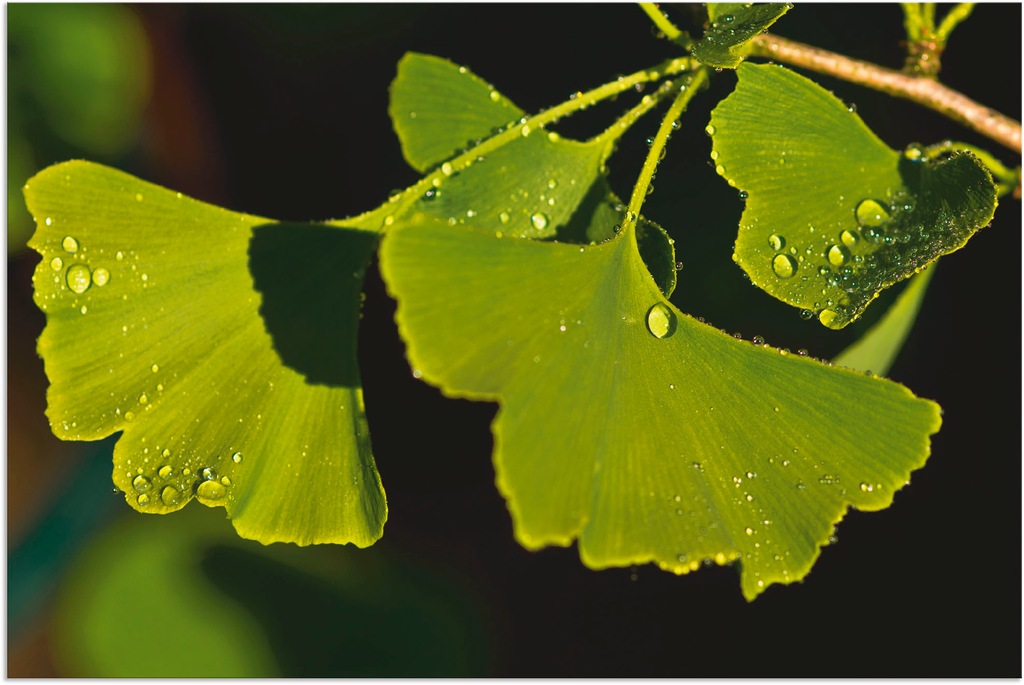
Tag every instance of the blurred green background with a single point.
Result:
(281, 111)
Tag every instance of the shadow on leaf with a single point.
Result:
(310, 278)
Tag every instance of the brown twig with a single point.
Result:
(922, 90)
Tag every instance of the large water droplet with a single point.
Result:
(870, 213)
(170, 495)
(661, 322)
(210, 492)
(78, 278)
(69, 244)
(827, 317)
(783, 265)
(141, 484)
(776, 242)
(837, 255)
(539, 221)
(849, 238)
(100, 276)
(143, 500)
(165, 471)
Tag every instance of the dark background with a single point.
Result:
(281, 111)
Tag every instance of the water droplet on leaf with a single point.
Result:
(783, 265)
(661, 321)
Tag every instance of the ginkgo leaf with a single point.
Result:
(221, 344)
(528, 187)
(438, 108)
(537, 185)
(727, 42)
(833, 214)
(635, 429)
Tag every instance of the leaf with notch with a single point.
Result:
(631, 427)
(222, 345)
(833, 214)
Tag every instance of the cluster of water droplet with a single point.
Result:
(172, 486)
(887, 241)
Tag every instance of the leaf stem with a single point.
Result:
(956, 15)
(912, 20)
(687, 87)
(924, 91)
(660, 20)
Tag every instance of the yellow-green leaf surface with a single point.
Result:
(635, 429)
(221, 344)
(528, 187)
(727, 42)
(438, 108)
(833, 214)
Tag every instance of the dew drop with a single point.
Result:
(78, 278)
(138, 197)
(837, 255)
(208, 473)
(783, 265)
(539, 221)
(776, 242)
(446, 169)
(849, 238)
(119, 256)
(165, 471)
(827, 317)
(56, 263)
(69, 244)
(495, 96)
(866, 487)
(143, 500)
(100, 276)
(128, 416)
(661, 322)
(237, 457)
(210, 492)
(143, 398)
(710, 130)
(870, 213)
(504, 217)
(154, 368)
(141, 484)
(169, 495)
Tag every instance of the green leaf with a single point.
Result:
(876, 350)
(136, 604)
(727, 42)
(528, 187)
(634, 428)
(537, 185)
(833, 214)
(438, 108)
(221, 344)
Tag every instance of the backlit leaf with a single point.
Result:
(221, 344)
(635, 429)
(438, 108)
(833, 214)
(727, 42)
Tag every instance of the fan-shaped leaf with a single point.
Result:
(833, 214)
(625, 424)
(221, 344)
